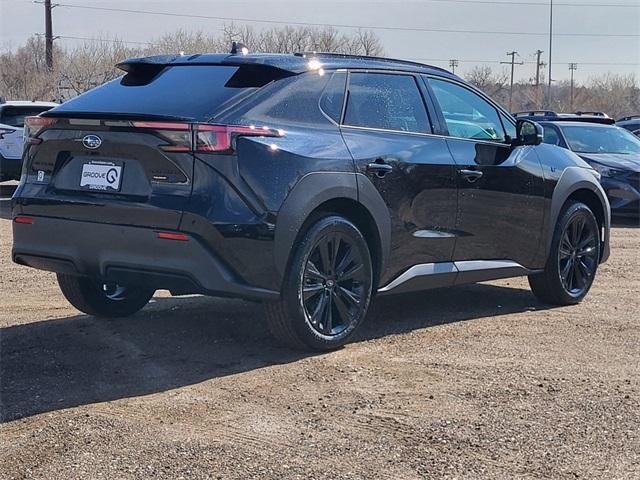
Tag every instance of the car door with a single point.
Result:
(389, 134)
(500, 189)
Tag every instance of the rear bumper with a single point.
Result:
(128, 255)
(10, 168)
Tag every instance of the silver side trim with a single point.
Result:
(432, 234)
(420, 270)
(473, 265)
(427, 269)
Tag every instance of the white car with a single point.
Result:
(12, 116)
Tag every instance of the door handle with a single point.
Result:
(379, 167)
(470, 175)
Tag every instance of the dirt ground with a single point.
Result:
(471, 382)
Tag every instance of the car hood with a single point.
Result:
(615, 160)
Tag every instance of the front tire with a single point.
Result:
(327, 287)
(573, 259)
(102, 299)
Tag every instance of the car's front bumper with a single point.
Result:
(623, 193)
(128, 255)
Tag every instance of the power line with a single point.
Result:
(538, 4)
(369, 27)
(423, 59)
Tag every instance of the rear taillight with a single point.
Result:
(24, 220)
(204, 138)
(34, 125)
(180, 237)
(222, 138)
(5, 131)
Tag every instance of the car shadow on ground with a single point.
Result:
(174, 342)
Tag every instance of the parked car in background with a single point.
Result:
(631, 123)
(311, 182)
(611, 150)
(12, 115)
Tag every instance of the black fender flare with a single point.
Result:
(572, 180)
(316, 188)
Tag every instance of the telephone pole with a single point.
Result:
(48, 34)
(550, 46)
(573, 67)
(513, 64)
(453, 63)
(539, 65)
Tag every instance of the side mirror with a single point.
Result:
(528, 133)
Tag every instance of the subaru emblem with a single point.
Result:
(92, 141)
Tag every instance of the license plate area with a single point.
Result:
(101, 176)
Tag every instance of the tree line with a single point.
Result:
(24, 74)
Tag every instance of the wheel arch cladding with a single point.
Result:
(348, 194)
(580, 184)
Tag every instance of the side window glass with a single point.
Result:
(509, 127)
(467, 115)
(386, 101)
(550, 136)
(333, 96)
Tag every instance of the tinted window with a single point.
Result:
(390, 102)
(184, 91)
(509, 127)
(333, 96)
(592, 139)
(14, 116)
(550, 136)
(467, 114)
(294, 100)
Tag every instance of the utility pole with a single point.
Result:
(573, 67)
(550, 46)
(48, 34)
(539, 65)
(453, 63)
(513, 64)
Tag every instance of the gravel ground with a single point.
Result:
(471, 382)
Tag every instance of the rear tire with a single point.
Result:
(327, 287)
(573, 259)
(101, 299)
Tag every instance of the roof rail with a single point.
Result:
(594, 114)
(628, 117)
(536, 113)
(367, 57)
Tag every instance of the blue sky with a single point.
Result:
(594, 54)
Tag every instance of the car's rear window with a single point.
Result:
(195, 91)
(14, 116)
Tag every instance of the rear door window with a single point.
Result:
(14, 116)
(386, 101)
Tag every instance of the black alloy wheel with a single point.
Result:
(327, 287)
(334, 284)
(573, 258)
(578, 255)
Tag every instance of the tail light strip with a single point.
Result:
(205, 138)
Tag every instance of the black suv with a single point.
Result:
(308, 182)
(611, 150)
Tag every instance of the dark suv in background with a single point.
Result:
(608, 148)
(308, 182)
